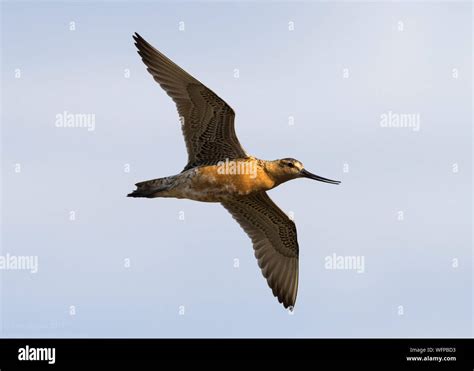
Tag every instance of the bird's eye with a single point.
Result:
(290, 164)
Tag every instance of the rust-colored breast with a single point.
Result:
(240, 177)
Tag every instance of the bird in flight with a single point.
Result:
(219, 170)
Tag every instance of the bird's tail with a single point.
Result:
(152, 188)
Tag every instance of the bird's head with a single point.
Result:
(289, 168)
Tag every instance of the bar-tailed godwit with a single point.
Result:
(219, 170)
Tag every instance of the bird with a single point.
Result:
(220, 170)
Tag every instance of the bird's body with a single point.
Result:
(214, 183)
(219, 170)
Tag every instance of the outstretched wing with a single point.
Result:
(274, 240)
(207, 121)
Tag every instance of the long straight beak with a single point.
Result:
(306, 174)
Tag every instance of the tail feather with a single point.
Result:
(150, 188)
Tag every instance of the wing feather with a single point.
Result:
(207, 121)
(274, 241)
